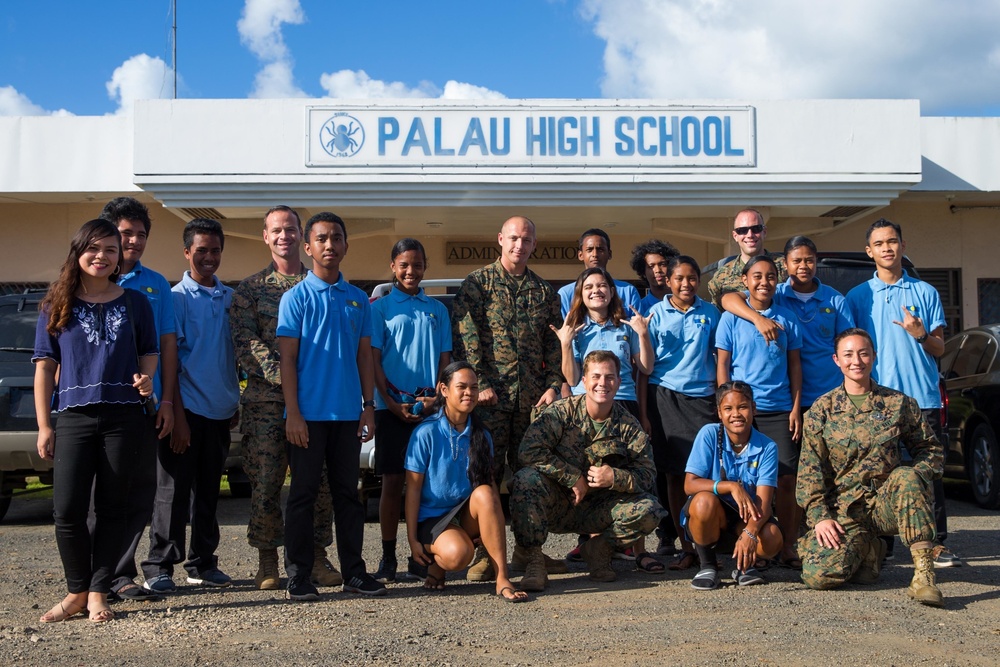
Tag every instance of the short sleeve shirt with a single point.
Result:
(156, 289)
(621, 339)
(756, 465)
(684, 347)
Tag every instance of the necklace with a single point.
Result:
(673, 303)
(455, 440)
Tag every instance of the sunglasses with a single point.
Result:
(742, 231)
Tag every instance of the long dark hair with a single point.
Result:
(59, 300)
(578, 311)
(480, 458)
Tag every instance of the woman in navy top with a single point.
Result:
(85, 330)
(451, 498)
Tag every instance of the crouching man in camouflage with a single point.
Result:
(851, 483)
(587, 468)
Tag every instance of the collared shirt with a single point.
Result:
(684, 347)
(563, 442)
(206, 360)
(441, 454)
(762, 365)
(848, 452)
(756, 465)
(621, 339)
(626, 292)
(412, 332)
(821, 317)
(156, 289)
(729, 277)
(900, 361)
(329, 321)
(254, 320)
(647, 302)
(500, 325)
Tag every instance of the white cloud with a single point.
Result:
(14, 103)
(140, 77)
(351, 84)
(260, 30)
(937, 52)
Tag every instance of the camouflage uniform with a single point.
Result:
(850, 471)
(500, 325)
(253, 319)
(557, 450)
(729, 277)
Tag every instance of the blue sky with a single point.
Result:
(93, 58)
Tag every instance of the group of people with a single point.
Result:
(617, 415)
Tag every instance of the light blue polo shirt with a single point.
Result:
(824, 315)
(156, 289)
(756, 465)
(446, 471)
(412, 332)
(901, 363)
(684, 347)
(647, 302)
(206, 359)
(626, 291)
(329, 321)
(762, 365)
(621, 339)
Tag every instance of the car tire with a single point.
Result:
(983, 464)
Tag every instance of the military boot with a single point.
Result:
(535, 577)
(481, 568)
(519, 561)
(267, 578)
(871, 564)
(597, 551)
(324, 573)
(923, 588)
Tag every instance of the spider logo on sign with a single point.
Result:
(342, 135)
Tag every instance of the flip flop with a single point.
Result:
(519, 596)
(793, 563)
(685, 561)
(645, 562)
(433, 584)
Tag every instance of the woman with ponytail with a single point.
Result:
(451, 499)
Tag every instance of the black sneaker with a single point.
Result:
(364, 583)
(386, 571)
(300, 588)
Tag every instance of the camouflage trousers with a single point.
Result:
(539, 505)
(901, 506)
(265, 461)
(507, 428)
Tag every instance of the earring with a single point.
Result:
(116, 271)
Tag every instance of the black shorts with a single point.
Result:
(430, 529)
(734, 523)
(775, 426)
(675, 419)
(392, 435)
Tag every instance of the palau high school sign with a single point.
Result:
(496, 135)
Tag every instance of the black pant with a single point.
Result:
(337, 444)
(933, 417)
(96, 450)
(187, 486)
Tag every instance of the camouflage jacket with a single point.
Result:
(848, 453)
(729, 277)
(501, 327)
(564, 442)
(253, 320)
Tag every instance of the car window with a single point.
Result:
(989, 354)
(969, 357)
(951, 349)
(17, 326)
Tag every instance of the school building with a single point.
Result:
(450, 172)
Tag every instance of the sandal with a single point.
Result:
(516, 595)
(102, 616)
(793, 563)
(433, 583)
(685, 561)
(51, 616)
(645, 562)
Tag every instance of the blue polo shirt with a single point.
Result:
(206, 359)
(901, 363)
(156, 289)
(756, 465)
(621, 339)
(762, 365)
(441, 454)
(329, 321)
(684, 347)
(412, 332)
(626, 291)
(824, 315)
(647, 302)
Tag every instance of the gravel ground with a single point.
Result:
(640, 619)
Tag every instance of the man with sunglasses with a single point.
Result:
(749, 232)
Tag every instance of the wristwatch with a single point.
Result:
(368, 404)
(921, 339)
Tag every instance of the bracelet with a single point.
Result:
(715, 488)
(166, 402)
(750, 535)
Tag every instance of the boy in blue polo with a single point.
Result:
(327, 378)
(190, 466)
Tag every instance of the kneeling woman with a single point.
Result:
(730, 477)
(450, 496)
